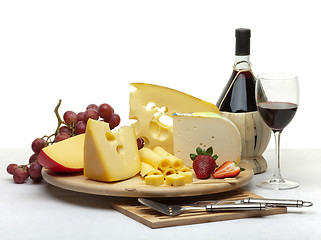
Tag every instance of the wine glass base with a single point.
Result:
(277, 184)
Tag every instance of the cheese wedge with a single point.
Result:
(206, 129)
(64, 156)
(157, 161)
(176, 163)
(165, 102)
(147, 169)
(110, 156)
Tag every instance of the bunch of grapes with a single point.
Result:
(75, 124)
(71, 125)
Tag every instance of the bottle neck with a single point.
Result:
(242, 62)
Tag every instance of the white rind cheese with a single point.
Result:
(206, 129)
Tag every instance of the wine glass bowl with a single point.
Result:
(277, 99)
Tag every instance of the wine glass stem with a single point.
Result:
(277, 168)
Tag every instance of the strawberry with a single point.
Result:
(203, 162)
(228, 169)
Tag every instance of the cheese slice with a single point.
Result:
(156, 160)
(176, 163)
(108, 155)
(206, 129)
(150, 103)
(147, 169)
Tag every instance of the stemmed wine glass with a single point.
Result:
(277, 99)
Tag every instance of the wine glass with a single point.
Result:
(277, 99)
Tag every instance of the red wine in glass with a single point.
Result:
(277, 115)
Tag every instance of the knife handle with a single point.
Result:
(278, 202)
(237, 207)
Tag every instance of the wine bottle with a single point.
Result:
(237, 103)
(239, 93)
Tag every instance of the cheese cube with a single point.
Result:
(204, 130)
(155, 180)
(188, 176)
(175, 180)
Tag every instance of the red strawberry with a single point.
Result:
(203, 163)
(229, 169)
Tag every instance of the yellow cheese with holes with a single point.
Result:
(188, 176)
(155, 180)
(147, 169)
(175, 180)
(149, 103)
(184, 169)
(157, 161)
(109, 155)
(176, 163)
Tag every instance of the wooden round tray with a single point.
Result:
(136, 187)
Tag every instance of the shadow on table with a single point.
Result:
(81, 199)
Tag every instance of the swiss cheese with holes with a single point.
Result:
(149, 104)
(110, 155)
(206, 129)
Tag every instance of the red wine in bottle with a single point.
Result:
(237, 103)
(277, 115)
(239, 93)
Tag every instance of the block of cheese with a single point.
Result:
(175, 180)
(64, 156)
(156, 160)
(205, 129)
(155, 180)
(176, 163)
(165, 102)
(188, 176)
(147, 169)
(109, 155)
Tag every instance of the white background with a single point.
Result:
(90, 51)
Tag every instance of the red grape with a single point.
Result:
(105, 111)
(35, 170)
(65, 129)
(33, 157)
(20, 175)
(80, 127)
(37, 145)
(61, 136)
(70, 118)
(114, 121)
(91, 113)
(140, 143)
(92, 106)
(81, 116)
(11, 168)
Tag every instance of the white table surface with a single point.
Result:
(42, 211)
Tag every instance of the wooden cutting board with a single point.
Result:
(153, 219)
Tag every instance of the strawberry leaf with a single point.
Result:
(215, 157)
(242, 169)
(199, 151)
(192, 156)
(209, 151)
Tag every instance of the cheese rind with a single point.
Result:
(64, 156)
(166, 102)
(205, 130)
(110, 156)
